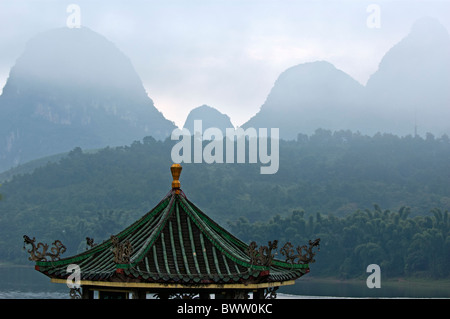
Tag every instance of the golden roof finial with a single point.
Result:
(176, 171)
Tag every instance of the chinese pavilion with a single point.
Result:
(174, 251)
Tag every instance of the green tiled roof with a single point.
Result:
(174, 243)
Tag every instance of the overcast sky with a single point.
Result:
(228, 53)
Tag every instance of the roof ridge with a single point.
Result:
(154, 235)
(224, 247)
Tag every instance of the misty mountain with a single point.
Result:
(412, 82)
(307, 97)
(69, 88)
(409, 87)
(210, 117)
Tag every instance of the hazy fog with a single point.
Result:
(226, 54)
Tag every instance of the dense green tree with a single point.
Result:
(401, 245)
(323, 188)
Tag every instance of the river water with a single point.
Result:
(21, 282)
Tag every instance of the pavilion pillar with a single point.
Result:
(87, 293)
(204, 295)
(138, 294)
(233, 294)
(163, 295)
(258, 293)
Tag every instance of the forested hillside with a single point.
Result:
(400, 245)
(326, 186)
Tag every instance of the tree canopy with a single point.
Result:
(400, 245)
(340, 174)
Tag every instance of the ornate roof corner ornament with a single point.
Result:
(263, 255)
(90, 243)
(302, 258)
(288, 251)
(40, 252)
(75, 293)
(270, 293)
(122, 251)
